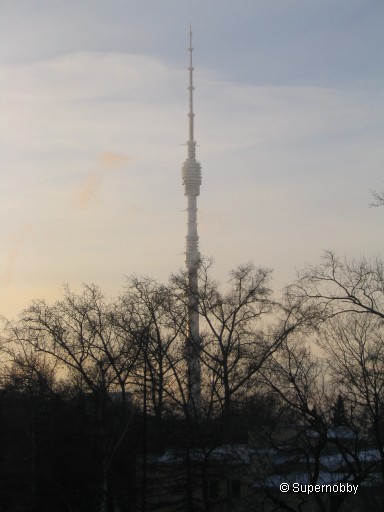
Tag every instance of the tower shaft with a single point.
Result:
(191, 173)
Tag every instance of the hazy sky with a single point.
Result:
(289, 107)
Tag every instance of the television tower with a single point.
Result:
(191, 173)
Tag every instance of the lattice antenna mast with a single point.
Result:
(191, 174)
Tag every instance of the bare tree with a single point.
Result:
(241, 328)
(148, 314)
(346, 299)
(337, 286)
(306, 441)
(77, 334)
(354, 348)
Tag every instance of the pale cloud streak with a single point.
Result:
(88, 192)
(112, 160)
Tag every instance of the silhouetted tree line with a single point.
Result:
(94, 393)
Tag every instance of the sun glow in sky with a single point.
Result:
(289, 107)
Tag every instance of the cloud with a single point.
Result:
(113, 160)
(85, 76)
(88, 192)
(73, 102)
(13, 254)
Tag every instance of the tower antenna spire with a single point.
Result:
(191, 173)
(191, 115)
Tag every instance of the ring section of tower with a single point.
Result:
(191, 173)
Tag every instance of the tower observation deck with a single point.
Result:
(191, 174)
